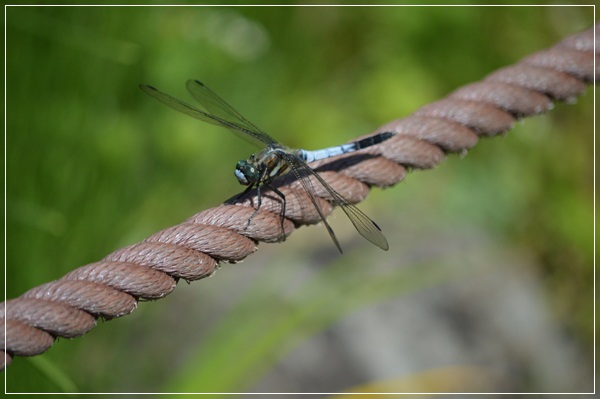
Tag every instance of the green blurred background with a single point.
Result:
(93, 164)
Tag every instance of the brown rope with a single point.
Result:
(70, 306)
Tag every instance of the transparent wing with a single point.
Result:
(300, 174)
(220, 108)
(363, 224)
(227, 117)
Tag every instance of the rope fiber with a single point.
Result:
(70, 306)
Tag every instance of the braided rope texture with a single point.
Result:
(70, 306)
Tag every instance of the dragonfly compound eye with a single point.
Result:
(246, 173)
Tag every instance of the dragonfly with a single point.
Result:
(275, 159)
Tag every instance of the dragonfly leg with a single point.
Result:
(258, 203)
(282, 215)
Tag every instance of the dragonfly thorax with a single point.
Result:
(261, 168)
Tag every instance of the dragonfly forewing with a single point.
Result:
(220, 108)
(223, 119)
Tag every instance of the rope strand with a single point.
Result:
(111, 287)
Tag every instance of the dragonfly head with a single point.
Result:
(246, 172)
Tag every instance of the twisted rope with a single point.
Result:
(71, 305)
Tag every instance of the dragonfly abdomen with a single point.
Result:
(373, 140)
(312, 156)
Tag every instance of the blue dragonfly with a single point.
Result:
(275, 159)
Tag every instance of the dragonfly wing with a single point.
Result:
(204, 116)
(363, 224)
(297, 168)
(180, 105)
(218, 107)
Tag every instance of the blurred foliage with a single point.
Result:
(92, 164)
